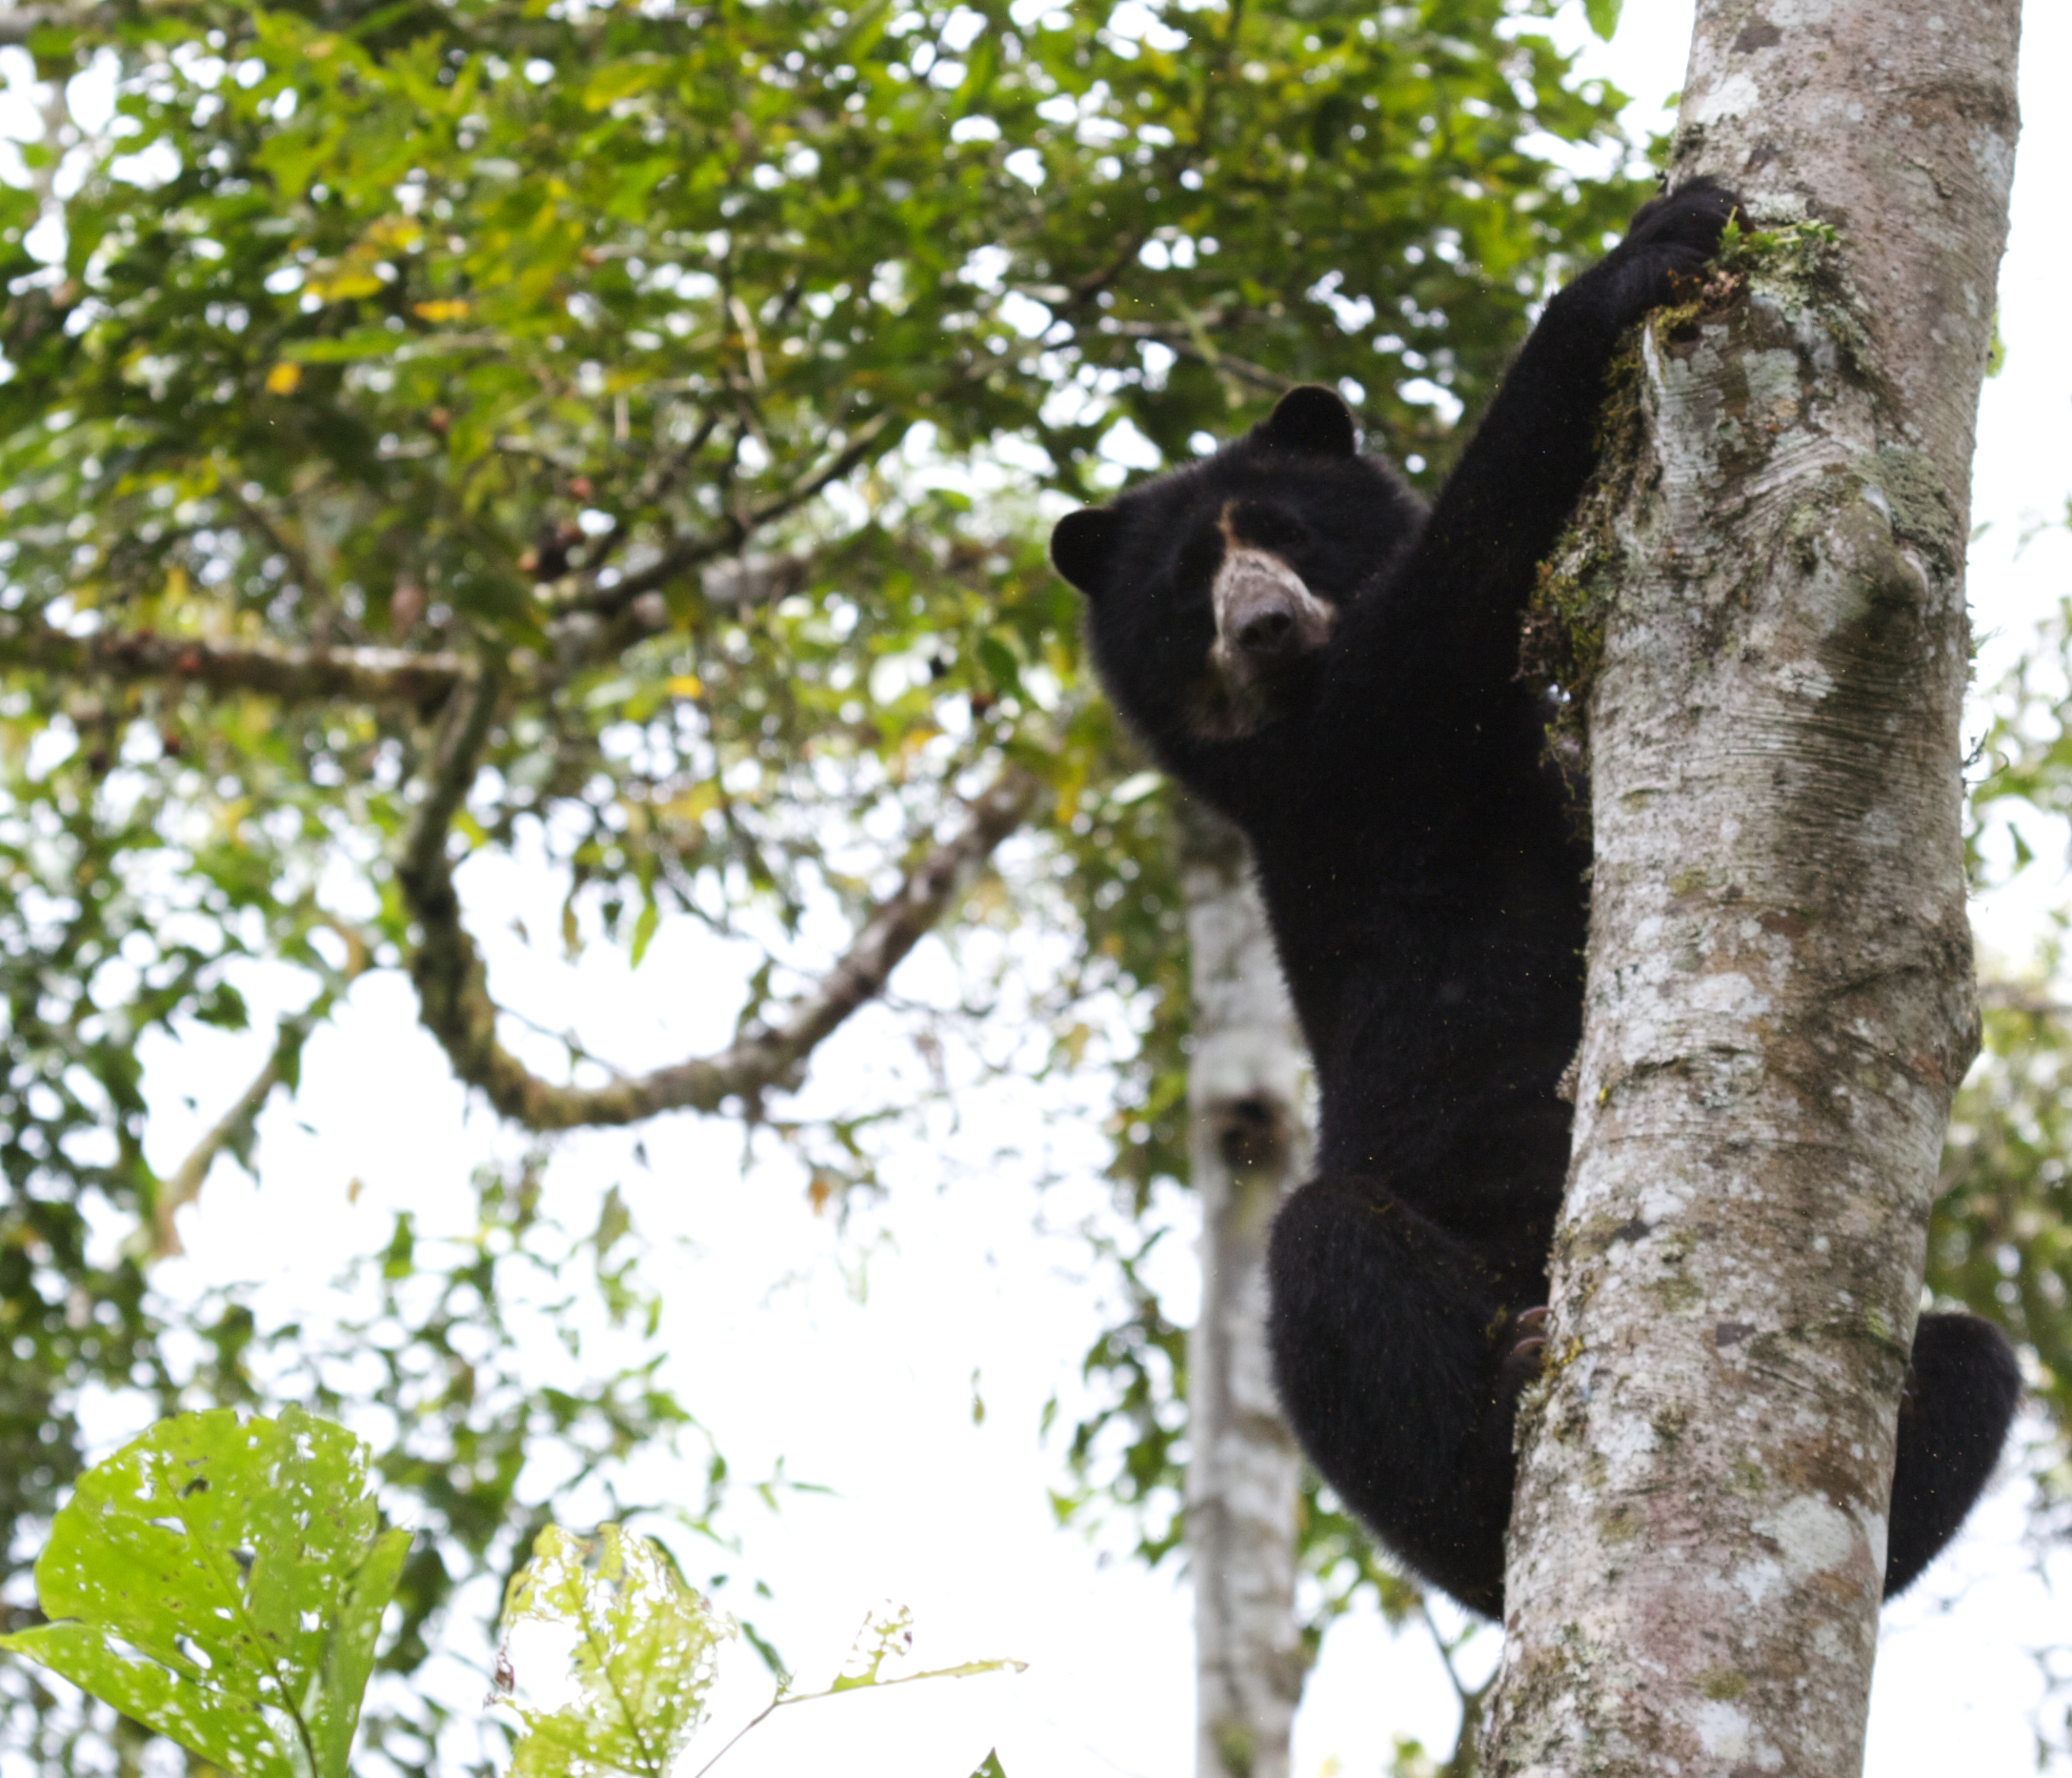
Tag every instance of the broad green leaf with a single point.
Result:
(206, 1720)
(1603, 16)
(223, 1582)
(990, 1766)
(644, 1658)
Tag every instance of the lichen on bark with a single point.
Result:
(1762, 610)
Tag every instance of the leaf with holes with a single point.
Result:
(643, 1659)
(223, 1582)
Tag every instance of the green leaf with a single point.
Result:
(645, 1654)
(223, 1582)
(644, 927)
(1603, 16)
(999, 663)
(351, 1657)
(227, 1730)
(367, 342)
(990, 1766)
(615, 80)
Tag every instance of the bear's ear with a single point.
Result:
(1083, 542)
(1312, 418)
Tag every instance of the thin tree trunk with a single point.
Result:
(1780, 997)
(1243, 1477)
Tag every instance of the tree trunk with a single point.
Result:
(1779, 995)
(1249, 1149)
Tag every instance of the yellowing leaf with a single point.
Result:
(343, 284)
(696, 802)
(283, 379)
(386, 231)
(445, 309)
(684, 685)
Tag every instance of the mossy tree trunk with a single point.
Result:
(1780, 988)
(1249, 1149)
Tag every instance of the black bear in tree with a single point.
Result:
(1305, 646)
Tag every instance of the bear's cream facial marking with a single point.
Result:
(1266, 619)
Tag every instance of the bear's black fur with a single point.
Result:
(1307, 648)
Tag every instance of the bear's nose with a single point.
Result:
(1267, 631)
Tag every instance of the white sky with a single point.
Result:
(775, 1353)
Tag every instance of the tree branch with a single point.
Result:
(298, 559)
(453, 986)
(1243, 369)
(305, 674)
(18, 24)
(2015, 997)
(694, 552)
(185, 1183)
(372, 675)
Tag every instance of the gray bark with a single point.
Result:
(1780, 997)
(1249, 1148)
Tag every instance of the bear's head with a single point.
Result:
(1213, 590)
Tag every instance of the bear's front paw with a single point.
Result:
(1689, 218)
(1666, 248)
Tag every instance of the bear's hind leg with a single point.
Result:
(1960, 1394)
(1400, 1371)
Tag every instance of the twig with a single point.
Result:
(2014, 996)
(297, 558)
(694, 552)
(1462, 1761)
(183, 1185)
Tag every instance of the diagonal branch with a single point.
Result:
(183, 1186)
(694, 552)
(452, 983)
